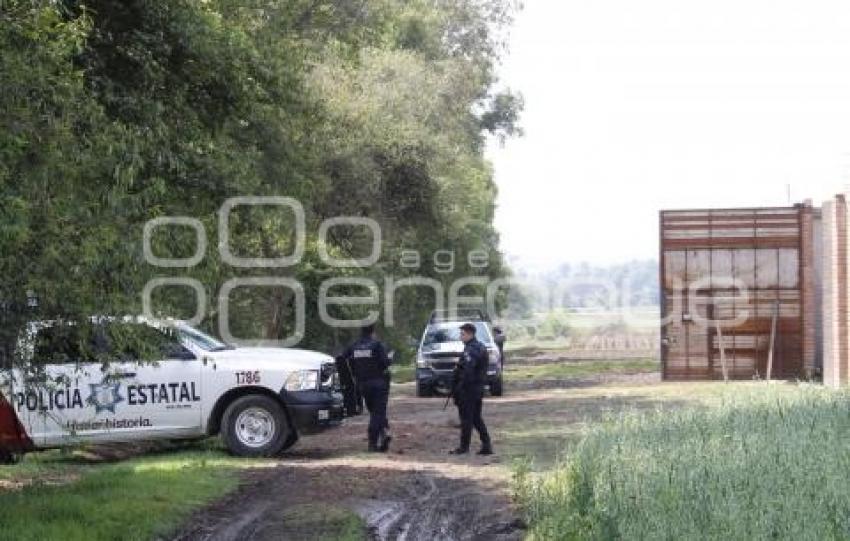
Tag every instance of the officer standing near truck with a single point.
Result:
(469, 391)
(370, 364)
(351, 397)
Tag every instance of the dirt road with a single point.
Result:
(416, 491)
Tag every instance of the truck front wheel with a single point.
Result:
(423, 390)
(255, 425)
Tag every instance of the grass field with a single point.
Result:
(555, 370)
(750, 462)
(52, 495)
(563, 370)
(65, 497)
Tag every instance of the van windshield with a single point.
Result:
(450, 332)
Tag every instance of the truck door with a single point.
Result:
(127, 381)
(164, 396)
(52, 394)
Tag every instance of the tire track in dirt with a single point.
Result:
(441, 509)
(417, 492)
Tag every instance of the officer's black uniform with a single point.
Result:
(369, 362)
(352, 400)
(469, 391)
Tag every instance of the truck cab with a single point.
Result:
(441, 347)
(135, 379)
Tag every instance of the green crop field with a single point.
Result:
(762, 462)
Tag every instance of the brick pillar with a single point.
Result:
(808, 287)
(834, 284)
(841, 290)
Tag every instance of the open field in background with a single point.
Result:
(638, 318)
(540, 367)
(751, 461)
(555, 370)
(588, 333)
(563, 416)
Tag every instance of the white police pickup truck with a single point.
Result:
(87, 391)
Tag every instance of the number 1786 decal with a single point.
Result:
(247, 377)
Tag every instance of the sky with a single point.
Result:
(633, 107)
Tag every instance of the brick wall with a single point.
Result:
(808, 286)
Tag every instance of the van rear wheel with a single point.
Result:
(255, 425)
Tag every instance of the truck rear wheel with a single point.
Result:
(255, 425)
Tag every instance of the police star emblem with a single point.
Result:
(104, 396)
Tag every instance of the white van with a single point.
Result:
(259, 399)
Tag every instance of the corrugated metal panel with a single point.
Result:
(704, 255)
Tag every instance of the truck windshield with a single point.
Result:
(438, 334)
(202, 340)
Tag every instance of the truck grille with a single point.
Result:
(445, 355)
(443, 365)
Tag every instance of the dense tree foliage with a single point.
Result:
(115, 113)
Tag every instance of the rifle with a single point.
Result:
(455, 378)
(449, 397)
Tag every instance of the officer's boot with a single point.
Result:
(373, 442)
(486, 449)
(386, 438)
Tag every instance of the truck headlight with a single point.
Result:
(422, 361)
(494, 356)
(302, 380)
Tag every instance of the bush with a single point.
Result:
(555, 325)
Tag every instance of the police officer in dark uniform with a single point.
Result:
(369, 362)
(351, 398)
(469, 391)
